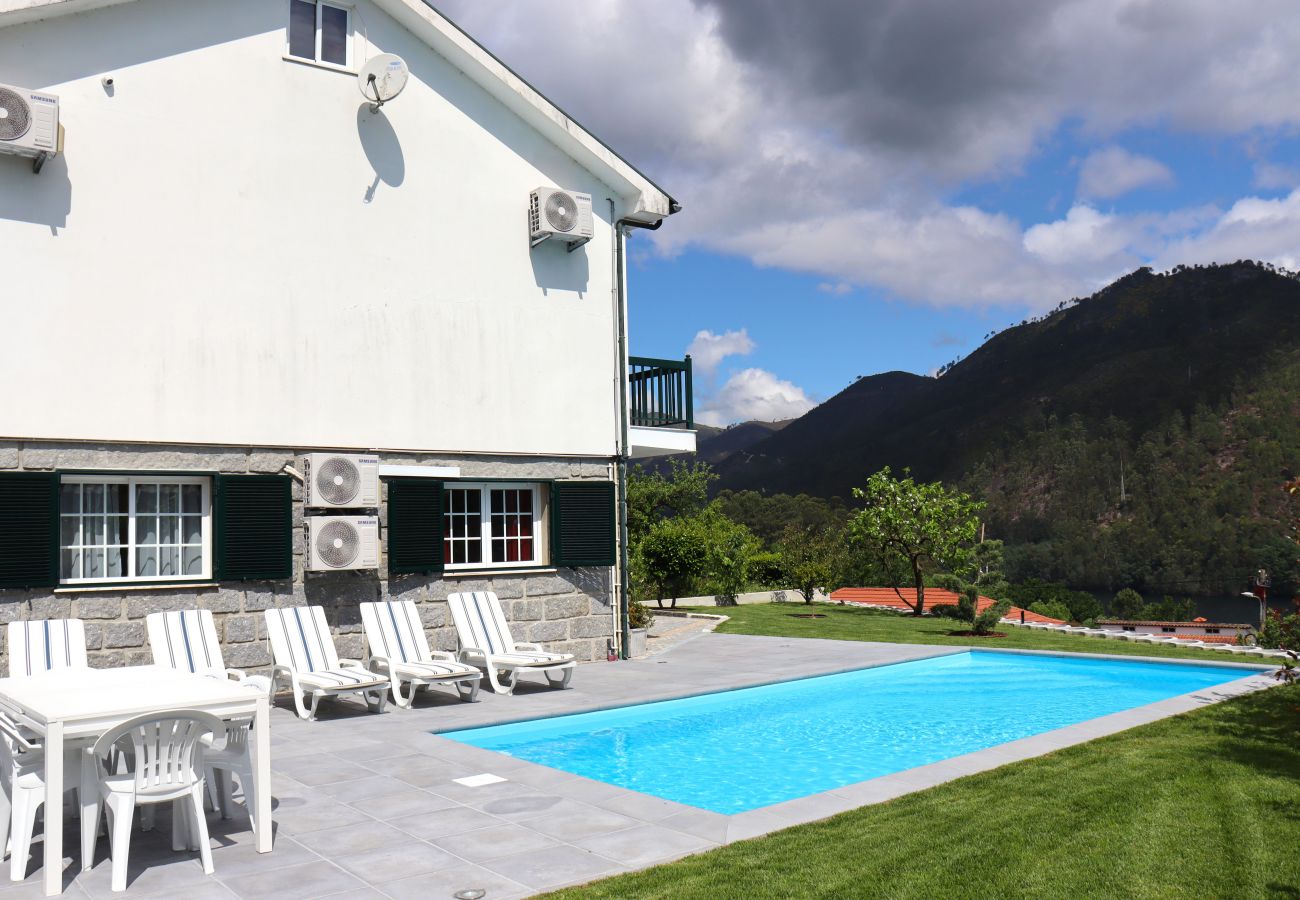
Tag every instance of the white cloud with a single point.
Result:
(822, 137)
(1253, 228)
(708, 350)
(754, 394)
(1113, 171)
(1271, 175)
(835, 289)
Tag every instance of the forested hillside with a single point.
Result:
(1138, 437)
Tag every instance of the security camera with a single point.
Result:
(107, 81)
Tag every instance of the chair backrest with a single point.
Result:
(165, 747)
(187, 640)
(394, 630)
(301, 639)
(480, 622)
(46, 644)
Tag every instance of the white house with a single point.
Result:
(236, 260)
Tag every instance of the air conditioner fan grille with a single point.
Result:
(15, 115)
(561, 211)
(337, 544)
(338, 481)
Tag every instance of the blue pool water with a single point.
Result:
(744, 749)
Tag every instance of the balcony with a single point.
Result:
(661, 406)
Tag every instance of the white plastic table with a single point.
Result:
(67, 704)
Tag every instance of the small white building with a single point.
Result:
(236, 260)
(1198, 630)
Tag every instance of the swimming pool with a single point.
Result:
(740, 750)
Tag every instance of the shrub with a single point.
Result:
(639, 616)
(1127, 604)
(945, 611)
(1053, 609)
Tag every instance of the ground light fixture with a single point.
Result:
(470, 894)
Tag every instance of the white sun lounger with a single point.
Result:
(305, 660)
(399, 650)
(486, 642)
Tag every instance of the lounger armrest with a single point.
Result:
(352, 664)
(534, 648)
(236, 674)
(384, 663)
(442, 655)
(466, 652)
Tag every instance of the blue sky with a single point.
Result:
(872, 185)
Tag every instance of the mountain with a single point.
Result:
(1147, 345)
(1137, 437)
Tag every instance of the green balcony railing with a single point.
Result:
(660, 391)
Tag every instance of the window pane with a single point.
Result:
(146, 498)
(498, 502)
(70, 564)
(117, 498)
(192, 529)
(474, 502)
(146, 529)
(526, 550)
(334, 35)
(446, 551)
(70, 531)
(191, 498)
(302, 29)
(92, 563)
(169, 559)
(93, 497)
(146, 561)
(117, 533)
(474, 552)
(92, 530)
(115, 562)
(169, 529)
(192, 560)
(70, 498)
(526, 502)
(169, 498)
(498, 550)
(475, 527)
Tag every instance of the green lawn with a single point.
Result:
(1205, 804)
(850, 623)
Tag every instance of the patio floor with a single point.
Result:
(367, 806)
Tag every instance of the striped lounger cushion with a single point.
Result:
(435, 670)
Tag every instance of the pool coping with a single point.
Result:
(721, 828)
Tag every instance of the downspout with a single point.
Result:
(624, 453)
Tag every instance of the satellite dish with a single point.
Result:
(382, 78)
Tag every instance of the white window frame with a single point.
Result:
(350, 65)
(485, 521)
(205, 503)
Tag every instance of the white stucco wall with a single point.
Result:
(234, 250)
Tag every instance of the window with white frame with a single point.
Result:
(129, 528)
(489, 525)
(320, 32)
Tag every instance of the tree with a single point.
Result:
(731, 546)
(673, 554)
(1127, 604)
(910, 530)
(808, 558)
(653, 496)
(1169, 610)
(1053, 609)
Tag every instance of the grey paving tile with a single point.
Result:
(240, 859)
(446, 882)
(553, 867)
(364, 788)
(444, 822)
(700, 822)
(813, 807)
(333, 842)
(365, 893)
(746, 825)
(318, 768)
(573, 821)
(298, 816)
(422, 770)
(389, 863)
(644, 845)
(396, 806)
(521, 803)
(294, 882)
(494, 841)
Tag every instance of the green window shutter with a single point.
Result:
(582, 523)
(254, 527)
(414, 537)
(29, 529)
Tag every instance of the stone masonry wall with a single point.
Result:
(567, 610)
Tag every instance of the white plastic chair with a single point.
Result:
(306, 660)
(400, 650)
(486, 641)
(167, 761)
(187, 640)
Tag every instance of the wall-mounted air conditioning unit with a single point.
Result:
(29, 124)
(340, 481)
(339, 543)
(560, 215)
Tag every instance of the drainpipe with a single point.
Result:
(624, 453)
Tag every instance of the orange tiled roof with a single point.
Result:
(888, 597)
